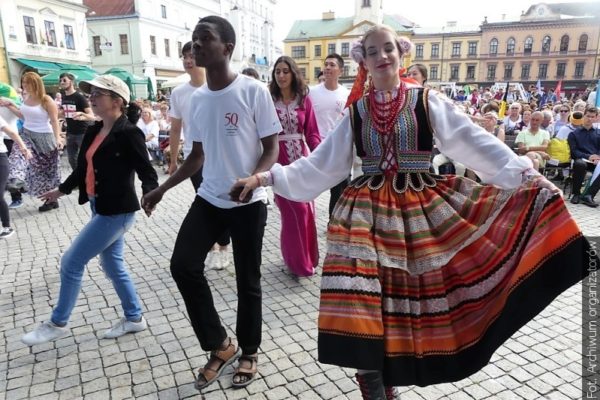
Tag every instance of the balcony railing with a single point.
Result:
(557, 53)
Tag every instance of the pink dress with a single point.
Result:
(299, 245)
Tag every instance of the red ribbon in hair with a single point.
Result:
(358, 88)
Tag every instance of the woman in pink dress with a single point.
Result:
(300, 133)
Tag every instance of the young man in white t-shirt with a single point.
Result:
(218, 258)
(328, 99)
(234, 129)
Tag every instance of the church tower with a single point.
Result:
(369, 10)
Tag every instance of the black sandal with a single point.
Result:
(244, 376)
(220, 358)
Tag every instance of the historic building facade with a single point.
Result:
(549, 42)
(310, 41)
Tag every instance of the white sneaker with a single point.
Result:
(6, 233)
(212, 260)
(123, 327)
(223, 258)
(46, 332)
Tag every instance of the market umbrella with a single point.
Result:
(80, 73)
(130, 79)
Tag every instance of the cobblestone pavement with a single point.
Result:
(542, 360)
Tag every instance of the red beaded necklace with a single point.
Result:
(384, 114)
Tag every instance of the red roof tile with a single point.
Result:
(106, 8)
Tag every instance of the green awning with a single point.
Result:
(80, 72)
(43, 67)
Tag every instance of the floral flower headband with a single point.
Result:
(357, 52)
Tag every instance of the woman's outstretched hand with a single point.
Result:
(243, 188)
(51, 196)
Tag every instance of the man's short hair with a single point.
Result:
(187, 48)
(67, 75)
(337, 57)
(224, 28)
(591, 109)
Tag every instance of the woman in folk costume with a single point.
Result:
(426, 275)
(299, 246)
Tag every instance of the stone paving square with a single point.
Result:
(541, 361)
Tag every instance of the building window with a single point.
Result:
(456, 49)
(303, 72)
(543, 71)
(435, 50)
(163, 11)
(494, 47)
(510, 47)
(525, 70)
(454, 69)
(50, 33)
(528, 45)
(583, 40)
(419, 51)
(472, 49)
(317, 72)
(346, 71)
(179, 49)
(470, 72)
(124, 44)
(579, 69)
(345, 49)
(298, 51)
(153, 45)
(69, 39)
(546, 45)
(508, 71)
(433, 72)
(561, 68)
(564, 44)
(491, 72)
(331, 48)
(366, 3)
(97, 49)
(30, 29)
(317, 50)
(167, 48)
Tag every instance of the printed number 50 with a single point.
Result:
(232, 119)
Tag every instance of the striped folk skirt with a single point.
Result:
(426, 285)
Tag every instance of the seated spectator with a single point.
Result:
(548, 121)
(461, 96)
(151, 130)
(533, 142)
(564, 112)
(511, 121)
(575, 121)
(525, 120)
(493, 125)
(584, 144)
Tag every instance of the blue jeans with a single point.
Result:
(104, 236)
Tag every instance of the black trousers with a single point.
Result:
(4, 216)
(14, 196)
(335, 193)
(196, 179)
(580, 168)
(199, 231)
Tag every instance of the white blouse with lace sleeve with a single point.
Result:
(328, 165)
(455, 135)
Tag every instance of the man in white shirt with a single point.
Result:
(328, 99)
(235, 134)
(218, 258)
